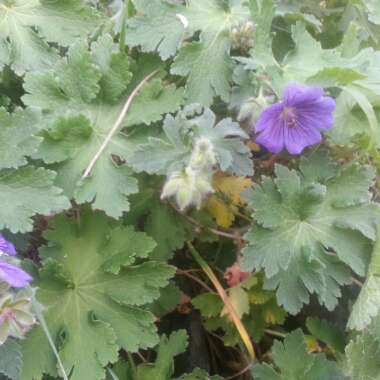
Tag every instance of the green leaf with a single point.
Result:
(206, 62)
(172, 150)
(362, 355)
(157, 27)
(259, 305)
(327, 333)
(300, 221)
(17, 137)
(367, 306)
(26, 192)
(10, 359)
(208, 67)
(262, 13)
(209, 304)
(373, 10)
(293, 362)
(160, 221)
(170, 297)
(91, 311)
(308, 58)
(26, 27)
(114, 68)
(80, 95)
(163, 368)
(163, 225)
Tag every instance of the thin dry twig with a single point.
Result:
(357, 282)
(242, 372)
(235, 236)
(117, 124)
(196, 279)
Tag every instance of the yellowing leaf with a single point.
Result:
(231, 186)
(273, 314)
(222, 213)
(312, 344)
(260, 296)
(239, 299)
(224, 205)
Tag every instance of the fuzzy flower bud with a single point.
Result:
(242, 36)
(16, 316)
(251, 109)
(203, 156)
(188, 187)
(191, 186)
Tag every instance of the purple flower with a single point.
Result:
(295, 122)
(14, 276)
(7, 247)
(9, 273)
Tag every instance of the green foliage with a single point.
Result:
(327, 333)
(367, 306)
(205, 61)
(25, 192)
(26, 27)
(68, 70)
(172, 150)
(160, 221)
(94, 287)
(301, 218)
(362, 357)
(17, 137)
(157, 27)
(257, 308)
(76, 95)
(294, 362)
(168, 348)
(10, 359)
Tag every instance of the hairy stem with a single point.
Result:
(37, 308)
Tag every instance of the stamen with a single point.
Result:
(290, 117)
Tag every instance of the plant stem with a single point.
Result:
(212, 230)
(117, 124)
(196, 279)
(123, 31)
(39, 314)
(112, 374)
(275, 333)
(357, 282)
(133, 365)
(223, 295)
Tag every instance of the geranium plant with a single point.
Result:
(189, 189)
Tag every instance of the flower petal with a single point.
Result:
(272, 138)
(317, 114)
(14, 276)
(7, 247)
(269, 117)
(297, 139)
(296, 94)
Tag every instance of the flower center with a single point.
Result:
(289, 115)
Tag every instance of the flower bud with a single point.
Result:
(16, 316)
(252, 109)
(189, 188)
(203, 157)
(242, 36)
